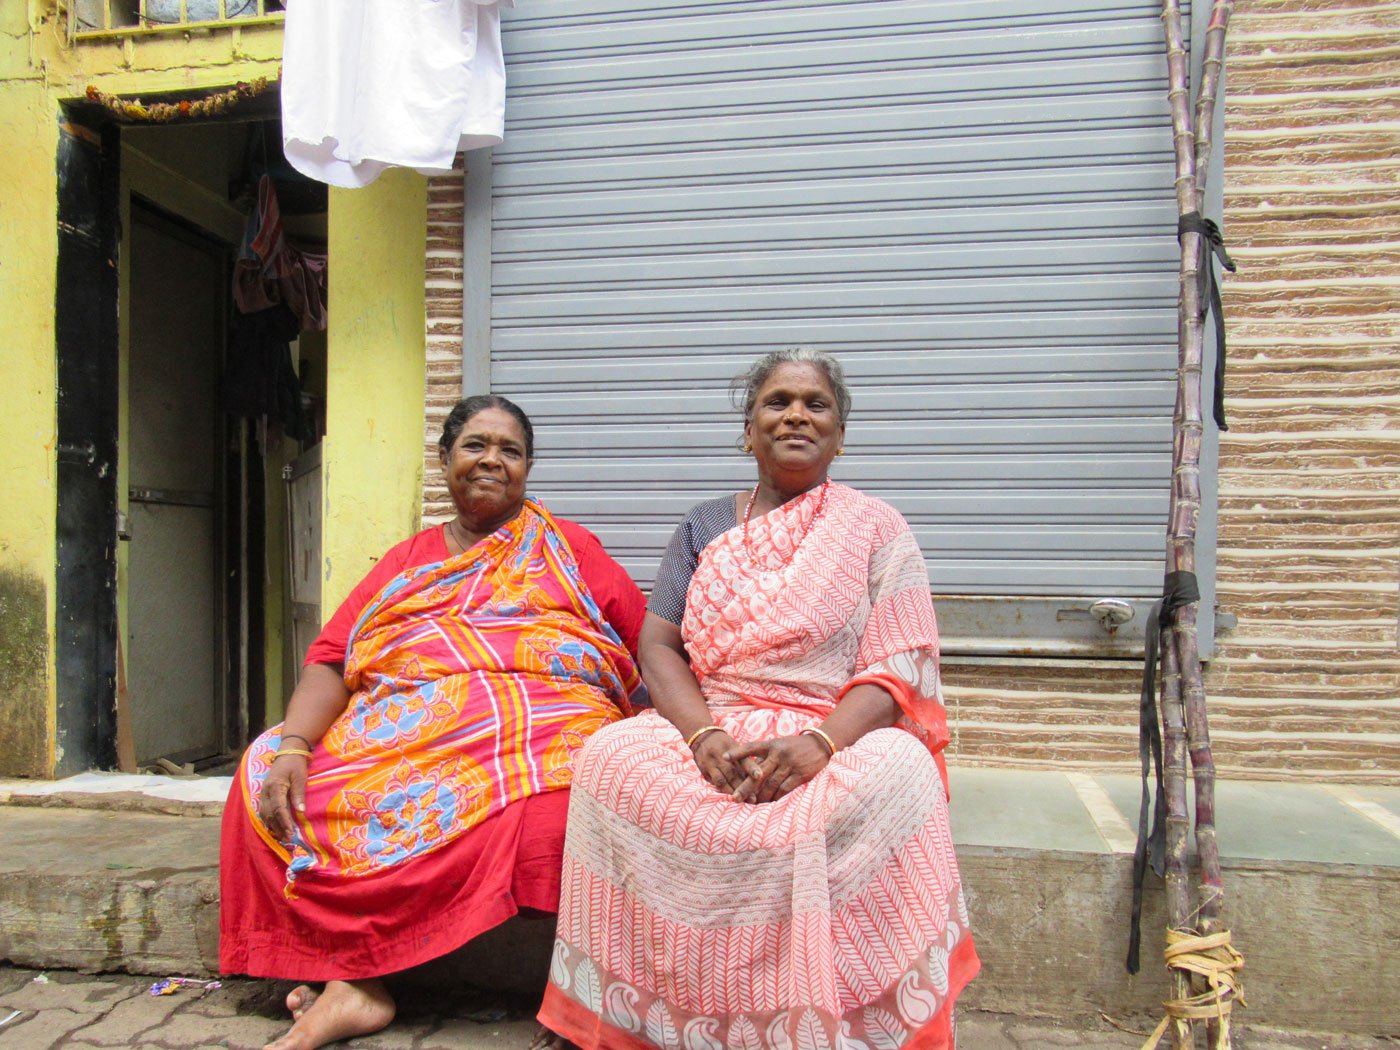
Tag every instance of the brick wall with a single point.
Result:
(1308, 683)
(1309, 547)
(444, 323)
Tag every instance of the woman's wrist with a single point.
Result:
(822, 737)
(701, 733)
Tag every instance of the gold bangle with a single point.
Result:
(690, 741)
(301, 751)
(824, 737)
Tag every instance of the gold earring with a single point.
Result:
(841, 451)
(747, 448)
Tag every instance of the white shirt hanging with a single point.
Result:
(374, 84)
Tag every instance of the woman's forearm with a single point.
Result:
(318, 700)
(674, 692)
(676, 696)
(865, 708)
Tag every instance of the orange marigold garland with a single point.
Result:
(164, 112)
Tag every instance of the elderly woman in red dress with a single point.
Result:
(415, 795)
(764, 861)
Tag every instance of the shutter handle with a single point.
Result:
(1111, 613)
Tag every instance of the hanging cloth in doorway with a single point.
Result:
(259, 380)
(270, 271)
(368, 86)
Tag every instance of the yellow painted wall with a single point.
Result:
(28, 258)
(39, 70)
(375, 346)
(145, 63)
(372, 456)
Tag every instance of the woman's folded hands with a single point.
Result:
(772, 768)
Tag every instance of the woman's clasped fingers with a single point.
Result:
(762, 769)
(755, 775)
(711, 755)
(776, 772)
(792, 783)
(788, 763)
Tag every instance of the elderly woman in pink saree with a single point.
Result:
(764, 862)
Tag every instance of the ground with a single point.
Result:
(76, 1011)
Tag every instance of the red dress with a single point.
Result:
(349, 929)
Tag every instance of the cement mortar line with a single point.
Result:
(1313, 41)
(1285, 11)
(1294, 34)
(1280, 587)
(1382, 279)
(1311, 92)
(1324, 176)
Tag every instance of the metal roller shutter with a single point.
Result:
(970, 204)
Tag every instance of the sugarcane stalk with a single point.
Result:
(1185, 726)
(1174, 784)
(1181, 518)
(1211, 891)
(1212, 66)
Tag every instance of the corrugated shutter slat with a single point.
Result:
(969, 203)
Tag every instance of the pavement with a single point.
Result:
(50, 1010)
(121, 874)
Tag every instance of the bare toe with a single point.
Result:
(299, 1000)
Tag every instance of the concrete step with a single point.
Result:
(1312, 877)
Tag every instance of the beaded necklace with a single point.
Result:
(748, 512)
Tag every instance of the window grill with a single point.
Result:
(117, 18)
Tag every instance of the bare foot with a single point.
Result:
(343, 1010)
(547, 1040)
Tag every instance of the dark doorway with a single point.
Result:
(173, 528)
(177, 553)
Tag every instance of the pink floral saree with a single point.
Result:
(833, 917)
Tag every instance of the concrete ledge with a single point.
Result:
(1052, 930)
(107, 889)
(94, 890)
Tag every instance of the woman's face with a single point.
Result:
(486, 468)
(795, 427)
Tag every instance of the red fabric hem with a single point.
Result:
(584, 1029)
(963, 966)
(266, 953)
(566, 1017)
(349, 929)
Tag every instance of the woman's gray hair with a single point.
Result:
(743, 391)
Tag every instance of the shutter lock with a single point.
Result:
(1111, 613)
